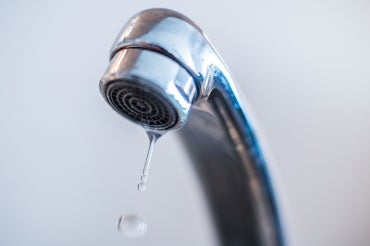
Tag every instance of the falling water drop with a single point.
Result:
(132, 225)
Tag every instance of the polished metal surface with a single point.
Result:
(164, 74)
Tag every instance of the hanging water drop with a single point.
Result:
(144, 177)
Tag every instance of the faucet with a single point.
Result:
(164, 74)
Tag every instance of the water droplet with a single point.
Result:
(141, 186)
(132, 226)
(144, 177)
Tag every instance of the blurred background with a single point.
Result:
(69, 165)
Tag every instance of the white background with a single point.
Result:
(69, 164)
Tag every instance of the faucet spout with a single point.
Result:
(164, 74)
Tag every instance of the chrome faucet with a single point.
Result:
(164, 74)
